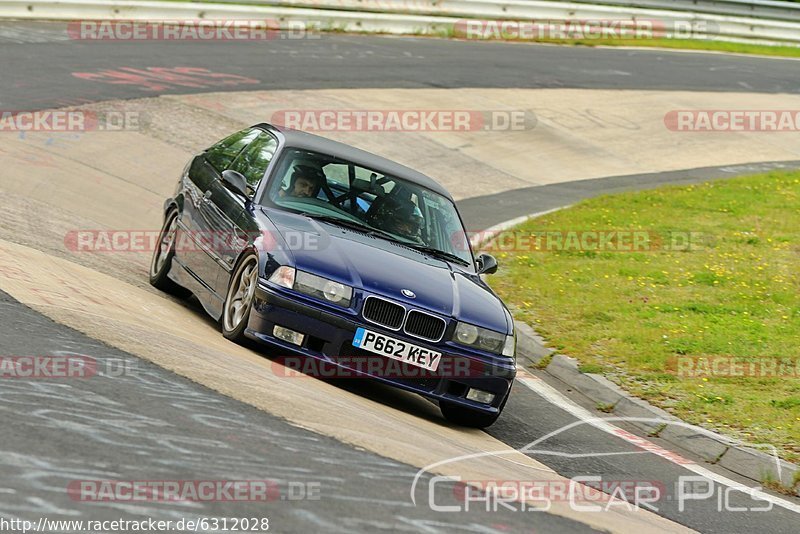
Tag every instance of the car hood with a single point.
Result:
(385, 268)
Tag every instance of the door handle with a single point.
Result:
(207, 195)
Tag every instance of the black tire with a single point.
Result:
(161, 262)
(468, 417)
(234, 319)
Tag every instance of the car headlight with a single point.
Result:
(311, 284)
(283, 276)
(484, 339)
(322, 288)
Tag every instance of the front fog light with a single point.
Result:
(477, 395)
(296, 338)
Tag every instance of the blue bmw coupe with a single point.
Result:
(330, 254)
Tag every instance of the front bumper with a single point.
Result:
(328, 339)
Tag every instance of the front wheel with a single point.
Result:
(161, 263)
(468, 417)
(239, 299)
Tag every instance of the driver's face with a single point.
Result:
(303, 187)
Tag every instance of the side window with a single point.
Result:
(252, 163)
(223, 153)
(337, 173)
(440, 229)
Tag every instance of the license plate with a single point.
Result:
(397, 349)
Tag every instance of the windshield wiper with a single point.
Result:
(353, 225)
(364, 227)
(439, 253)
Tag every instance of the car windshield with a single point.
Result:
(340, 191)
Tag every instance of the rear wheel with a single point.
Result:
(239, 299)
(161, 263)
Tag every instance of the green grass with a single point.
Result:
(694, 44)
(713, 45)
(734, 292)
(679, 44)
(591, 368)
(448, 31)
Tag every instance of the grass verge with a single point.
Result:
(449, 31)
(691, 44)
(715, 278)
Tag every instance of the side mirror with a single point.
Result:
(235, 182)
(486, 263)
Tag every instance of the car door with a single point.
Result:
(199, 218)
(228, 211)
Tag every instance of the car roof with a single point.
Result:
(315, 143)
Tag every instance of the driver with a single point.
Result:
(306, 181)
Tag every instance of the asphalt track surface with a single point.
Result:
(191, 432)
(482, 212)
(152, 421)
(40, 62)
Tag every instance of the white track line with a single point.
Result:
(556, 398)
